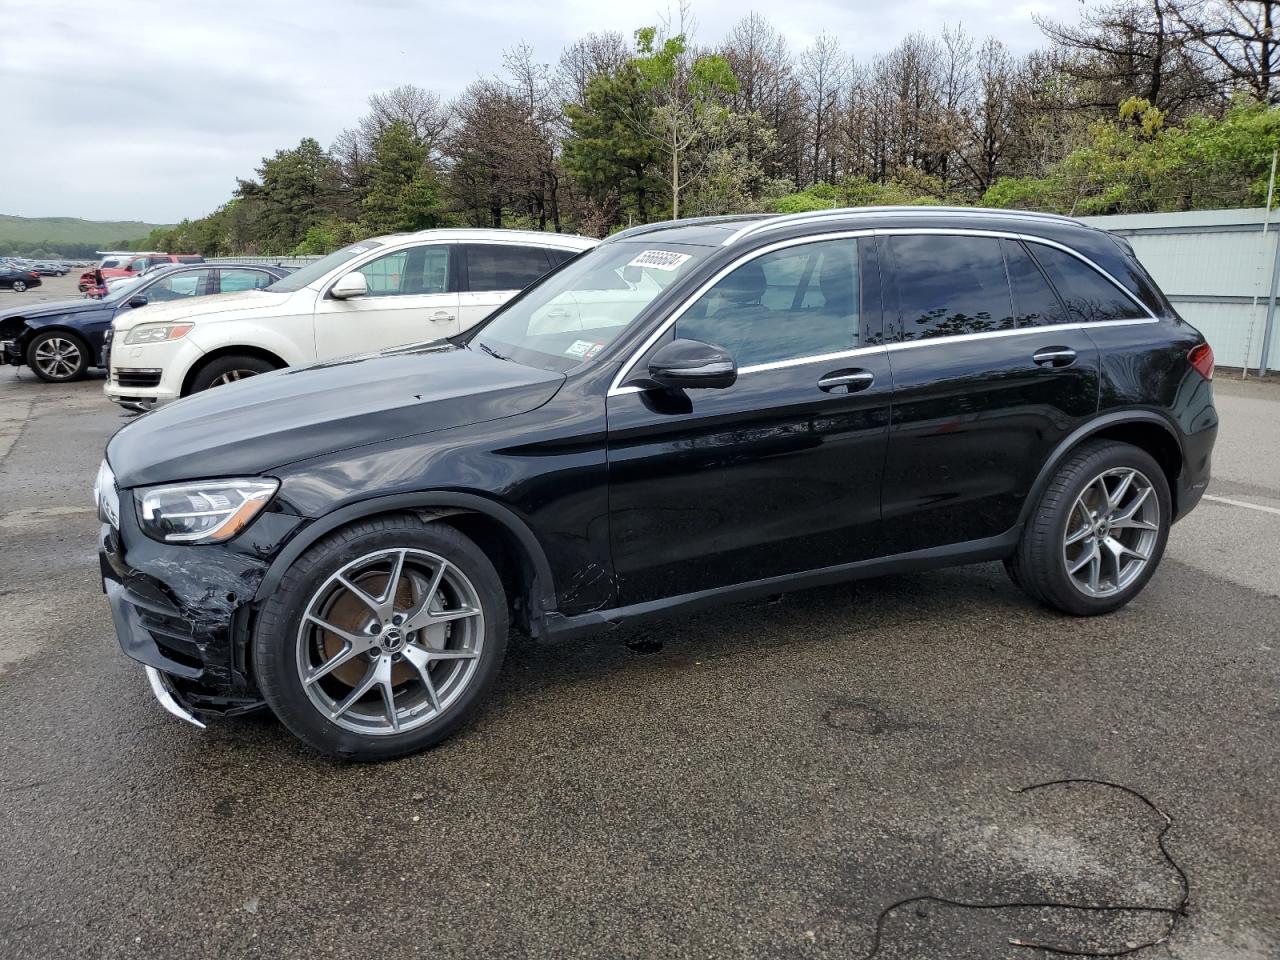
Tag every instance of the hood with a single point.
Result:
(255, 425)
(203, 308)
(53, 308)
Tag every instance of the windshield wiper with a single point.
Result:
(491, 352)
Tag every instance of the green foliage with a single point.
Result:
(292, 193)
(606, 152)
(905, 190)
(1136, 164)
(403, 192)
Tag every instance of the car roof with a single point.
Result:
(569, 241)
(729, 231)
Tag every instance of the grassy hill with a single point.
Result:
(69, 236)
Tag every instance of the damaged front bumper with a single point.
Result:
(186, 612)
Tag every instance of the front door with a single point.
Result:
(990, 373)
(410, 299)
(493, 273)
(779, 473)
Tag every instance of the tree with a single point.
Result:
(291, 194)
(1133, 48)
(686, 113)
(607, 152)
(403, 191)
(1240, 37)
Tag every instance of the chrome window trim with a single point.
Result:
(616, 388)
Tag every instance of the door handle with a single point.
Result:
(1054, 357)
(853, 380)
(440, 316)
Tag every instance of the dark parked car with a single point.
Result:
(61, 340)
(51, 269)
(18, 279)
(690, 413)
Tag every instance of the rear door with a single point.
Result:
(493, 273)
(412, 297)
(989, 375)
(779, 473)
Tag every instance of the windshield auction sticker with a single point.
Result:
(583, 349)
(660, 260)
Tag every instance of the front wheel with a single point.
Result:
(382, 639)
(1098, 531)
(58, 357)
(228, 369)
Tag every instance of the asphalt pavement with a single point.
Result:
(762, 780)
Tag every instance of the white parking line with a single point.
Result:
(1241, 503)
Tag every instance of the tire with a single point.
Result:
(61, 273)
(19, 286)
(1068, 557)
(227, 370)
(57, 356)
(289, 645)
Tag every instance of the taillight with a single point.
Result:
(1201, 359)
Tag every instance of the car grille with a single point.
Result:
(136, 378)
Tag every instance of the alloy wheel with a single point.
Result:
(1111, 532)
(57, 358)
(19, 286)
(390, 641)
(231, 376)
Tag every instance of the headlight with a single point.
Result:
(105, 495)
(157, 332)
(211, 511)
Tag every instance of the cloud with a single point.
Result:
(151, 110)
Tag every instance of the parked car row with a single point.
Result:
(686, 413)
(128, 264)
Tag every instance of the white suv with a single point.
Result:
(383, 292)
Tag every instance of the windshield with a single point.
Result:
(314, 271)
(575, 313)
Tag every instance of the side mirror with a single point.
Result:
(138, 301)
(352, 285)
(692, 364)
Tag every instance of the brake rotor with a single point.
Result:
(352, 615)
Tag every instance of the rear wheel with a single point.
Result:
(19, 286)
(1097, 533)
(57, 357)
(382, 639)
(228, 369)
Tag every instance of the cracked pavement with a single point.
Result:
(755, 781)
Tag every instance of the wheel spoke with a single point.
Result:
(1131, 511)
(1095, 570)
(1080, 534)
(421, 661)
(393, 581)
(1117, 497)
(383, 673)
(358, 691)
(361, 594)
(1084, 558)
(1104, 505)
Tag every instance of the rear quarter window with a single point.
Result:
(1090, 297)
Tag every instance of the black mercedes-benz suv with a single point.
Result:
(692, 412)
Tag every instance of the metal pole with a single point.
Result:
(1275, 276)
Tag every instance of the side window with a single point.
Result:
(555, 257)
(410, 272)
(495, 266)
(951, 285)
(178, 286)
(232, 281)
(1089, 296)
(796, 302)
(1034, 302)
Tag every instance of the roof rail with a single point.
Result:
(676, 224)
(775, 223)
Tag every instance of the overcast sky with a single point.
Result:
(133, 109)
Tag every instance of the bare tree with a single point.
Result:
(822, 78)
(1240, 37)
